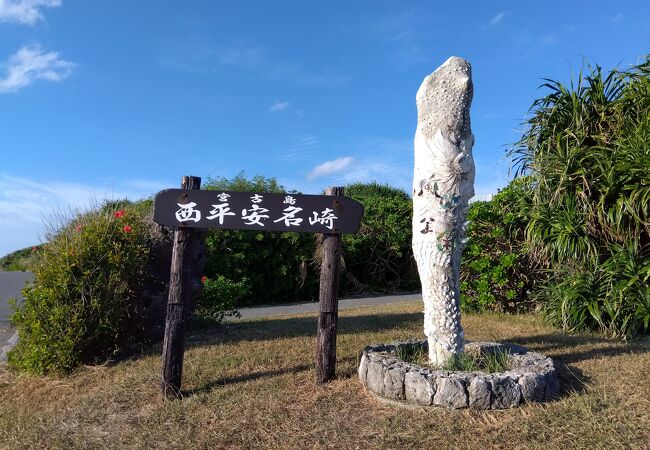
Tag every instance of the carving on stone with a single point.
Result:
(443, 183)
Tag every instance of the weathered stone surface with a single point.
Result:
(506, 392)
(363, 369)
(479, 392)
(419, 388)
(552, 385)
(394, 381)
(375, 376)
(532, 387)
(450, 392)
(532, 377)
(443, 183)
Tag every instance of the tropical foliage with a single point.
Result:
(587, 150)
(379, 256)
(496, 272)
(276, 266)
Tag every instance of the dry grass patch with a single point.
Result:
(250, 385)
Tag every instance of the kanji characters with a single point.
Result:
(187, 212)
(326, 218)
(289, 216)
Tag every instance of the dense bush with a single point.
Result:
(220, 297)
(587, 149)
(276, 265)
(80, 305)
(379, 257)
(496, 272)
(20, 260)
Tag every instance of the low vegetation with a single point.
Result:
(84, 300)
(251, 384)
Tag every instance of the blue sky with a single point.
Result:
(121, 98)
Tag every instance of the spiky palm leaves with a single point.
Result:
(587, 147)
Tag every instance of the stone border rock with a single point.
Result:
(531, 378)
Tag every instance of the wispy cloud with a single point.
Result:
(24, 11)
(201, 56)
(497, 20)
(32, 63)
(401, 35)
(26, 204)
(330, 167)
(279, 106)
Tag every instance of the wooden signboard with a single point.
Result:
(190, 209)
(257, 211)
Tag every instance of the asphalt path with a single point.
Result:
(11, 283)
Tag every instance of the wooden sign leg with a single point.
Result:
(329, 303)
(178, 305)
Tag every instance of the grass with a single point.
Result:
(250, 385)
(489, 362)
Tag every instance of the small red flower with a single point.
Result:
(34, 249)
(127, 228)
(78, 228)
(204, 279)
(119, 213)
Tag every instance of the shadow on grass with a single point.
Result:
(568, 349)
(205, 332)
(215, 384)
(262, 330)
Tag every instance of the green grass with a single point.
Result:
(251, 385)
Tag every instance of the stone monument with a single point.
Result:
(443, 183)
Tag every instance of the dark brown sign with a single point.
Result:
(257, 211)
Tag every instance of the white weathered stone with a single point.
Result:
(363, 369)
(506, 392)
(450, 392)
(394, 381)
(443, 183)
(479, 391)
(375, 376)
(419, 388)
(533, 387)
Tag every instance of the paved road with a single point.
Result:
(280, 310)
(11, 283)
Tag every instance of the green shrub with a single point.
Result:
(83, 296)
(276, 265)
(19, 261)
(220, 296)
(587, 151)
(496, 272)
(379, 257)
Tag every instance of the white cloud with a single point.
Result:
(279, 106)
(24, 11)
(27, 205)
(330, 167)
(32, 63)
(498, 19)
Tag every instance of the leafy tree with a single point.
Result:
(496, 272)
(379, 257)
(275, 266)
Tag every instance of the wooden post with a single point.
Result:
(329, 302)
(178, 304)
